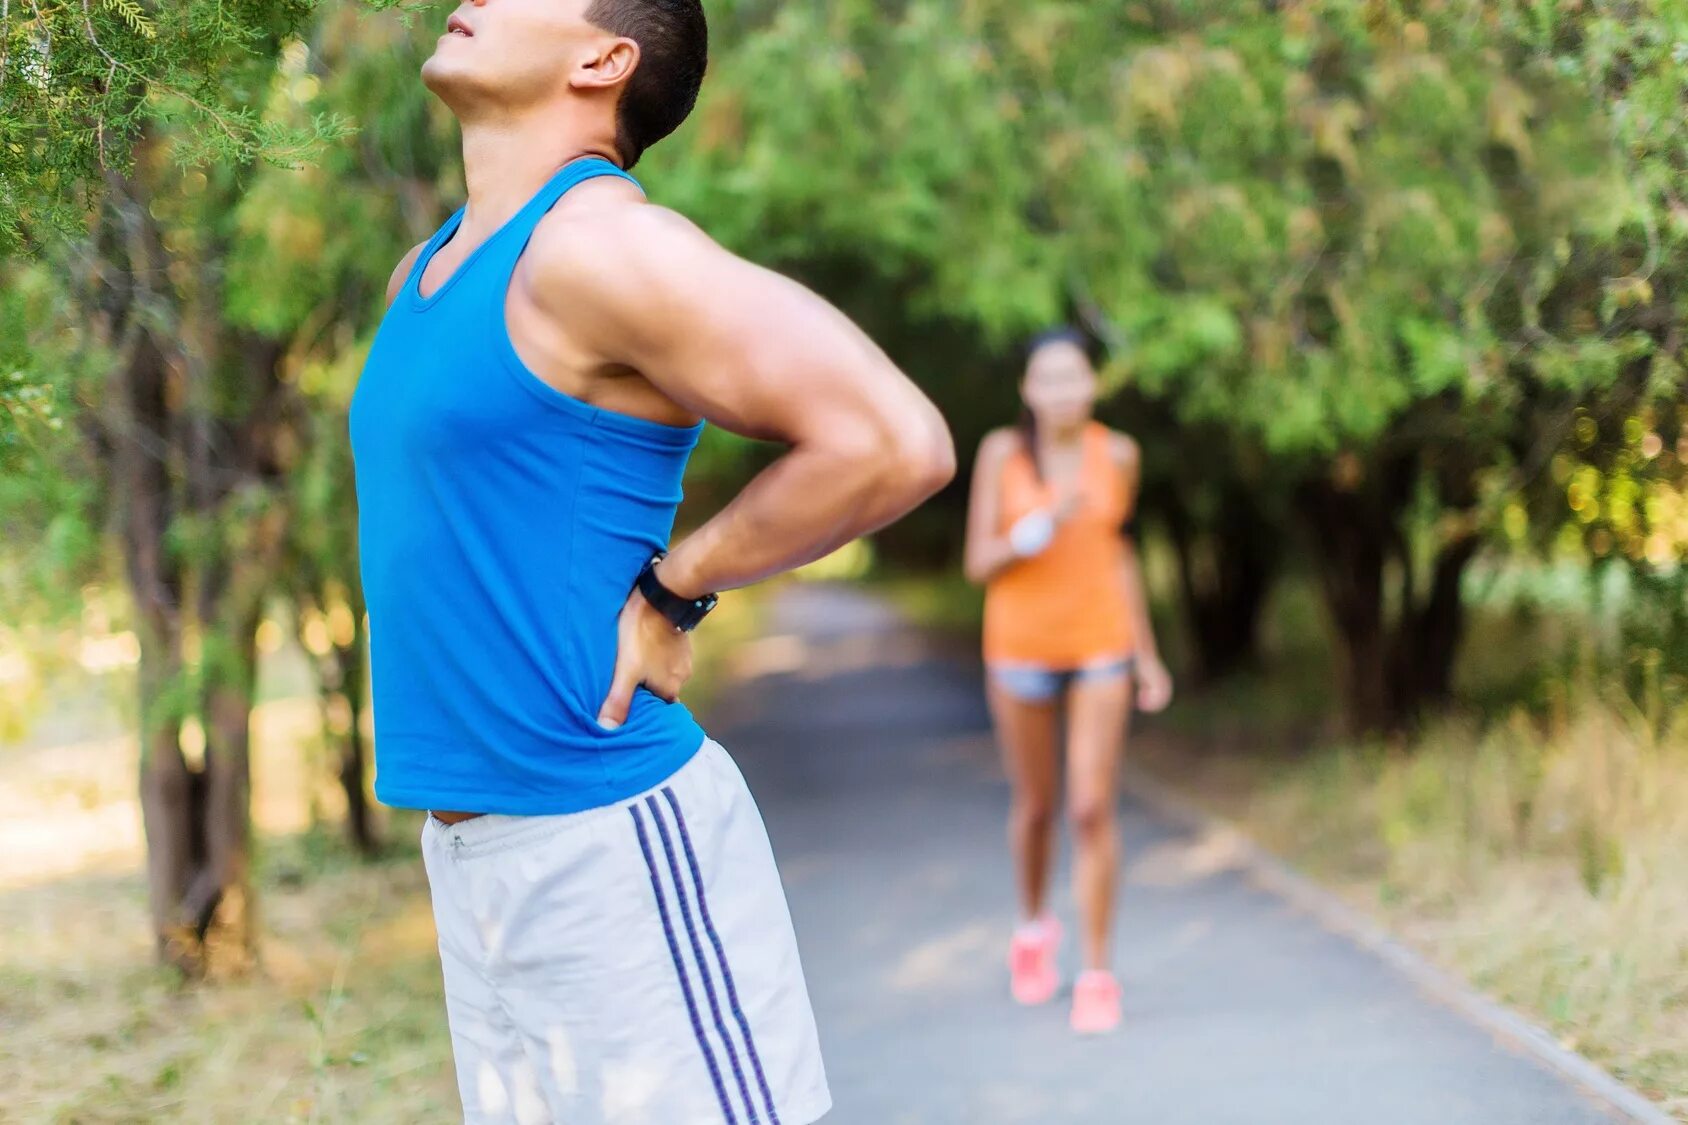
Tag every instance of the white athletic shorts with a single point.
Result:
(629, 965)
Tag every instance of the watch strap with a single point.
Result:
(685, 614)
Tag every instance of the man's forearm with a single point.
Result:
(807, 504)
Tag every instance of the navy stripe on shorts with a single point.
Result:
(680, 967)
(721, 957)
(697, 953)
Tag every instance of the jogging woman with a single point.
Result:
(1066, 629)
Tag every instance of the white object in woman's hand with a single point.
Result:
(1032, 533)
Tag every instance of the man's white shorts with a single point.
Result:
(630, 965)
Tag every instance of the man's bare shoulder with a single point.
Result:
(402, 271)
(605, 237)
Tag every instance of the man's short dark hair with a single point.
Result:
(673, 39)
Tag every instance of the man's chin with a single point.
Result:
(444, 76)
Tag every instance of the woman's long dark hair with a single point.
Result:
(1064, 334)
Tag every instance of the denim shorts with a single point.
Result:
(1038, 683)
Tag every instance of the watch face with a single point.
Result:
(697, 611)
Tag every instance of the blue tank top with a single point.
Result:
(501, 526)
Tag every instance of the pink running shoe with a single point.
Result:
(1095, 1003)
(1031, 961)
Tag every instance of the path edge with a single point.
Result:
(1512, 1029)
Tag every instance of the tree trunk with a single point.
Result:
(1350, 565)
(169, 789)
(1392, 670)
(168, 796)
(175, 453)
(220, 899)
(192, 432)
(1225, 569)
(231, 588)
(354, 757)
(227, 477)
(342, 682)
(342, 685)
(1431, 631)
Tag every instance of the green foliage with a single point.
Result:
(1326, 239)
(82, 81)
(312, 247)
(310, 251)
(1296, 223)
(1390, 251)
(48, 497)
(29, 408)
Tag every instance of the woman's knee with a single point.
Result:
(1034, 813)
(1092, 818)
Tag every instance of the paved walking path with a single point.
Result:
(873, 761)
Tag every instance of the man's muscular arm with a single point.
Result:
(757, 354)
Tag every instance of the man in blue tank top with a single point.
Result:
(615, 941)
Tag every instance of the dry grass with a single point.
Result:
(1543, 860)
(343, 1022)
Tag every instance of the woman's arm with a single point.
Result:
(1154, 683)
(988, 553)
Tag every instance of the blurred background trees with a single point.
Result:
(1361, 268)
(1391, 293)
(130, 131)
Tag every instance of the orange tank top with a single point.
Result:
(1066, 607)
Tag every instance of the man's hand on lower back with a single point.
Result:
(650, 652)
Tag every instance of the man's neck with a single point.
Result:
(505, 162)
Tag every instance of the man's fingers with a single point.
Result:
(614, 711)
(667, 686)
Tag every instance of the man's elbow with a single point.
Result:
(923, 459)
(893, 464)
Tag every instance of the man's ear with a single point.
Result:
(610, 64)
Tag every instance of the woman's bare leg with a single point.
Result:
(1030, 752)
(1098, 711)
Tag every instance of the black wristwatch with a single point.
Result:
(685, 614)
